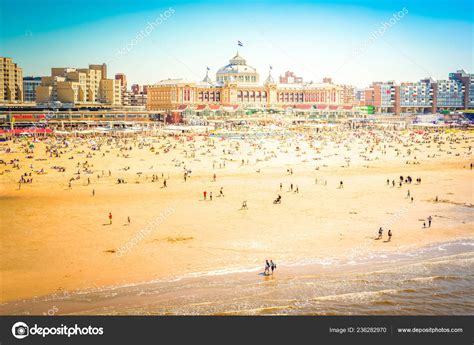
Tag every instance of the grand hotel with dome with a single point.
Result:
(237, 88)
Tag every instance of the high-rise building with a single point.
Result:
(79, 86)
(290, 78)
(123, 79)
(448, 95)
(417, 97)
(467, 80)
(11, 81)
(422, 97)
(29, 88)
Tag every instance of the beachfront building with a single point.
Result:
(29, 88)
(81, 86)
(427, 96)
(382, 97)
(11, 81)
(467, 80)
(135, 97)
(237, 90)
(417, 97)
(448, 95)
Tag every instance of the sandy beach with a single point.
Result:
(57, 238)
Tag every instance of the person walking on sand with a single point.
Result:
(205, 195)
(429, 221)
(267, 268)
(281, 185)
(273, 266)
(389, 235)
(214, 178)
(221, 191)
(128, 220)
(93, 192)
(341, 185)
(380, 233)
(210, 196)
(110, 218)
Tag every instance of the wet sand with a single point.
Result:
(56, 239)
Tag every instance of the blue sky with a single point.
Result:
(312, 38)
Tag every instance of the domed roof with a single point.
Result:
(237, 60)
(236, 65)
(236, 69)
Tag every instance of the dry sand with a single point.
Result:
(58, 239)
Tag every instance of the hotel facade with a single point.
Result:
(237, 89)
(79, 86)
(11, 81)
(427, 96)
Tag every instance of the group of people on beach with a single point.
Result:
(269, 266)
(381, 234)
(58, 148)
(204, 194)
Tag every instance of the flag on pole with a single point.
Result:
(208, 68)
(240, 44)
(271, 67)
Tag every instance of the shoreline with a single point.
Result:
(133, 295)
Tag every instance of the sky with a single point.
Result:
(354, 42)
